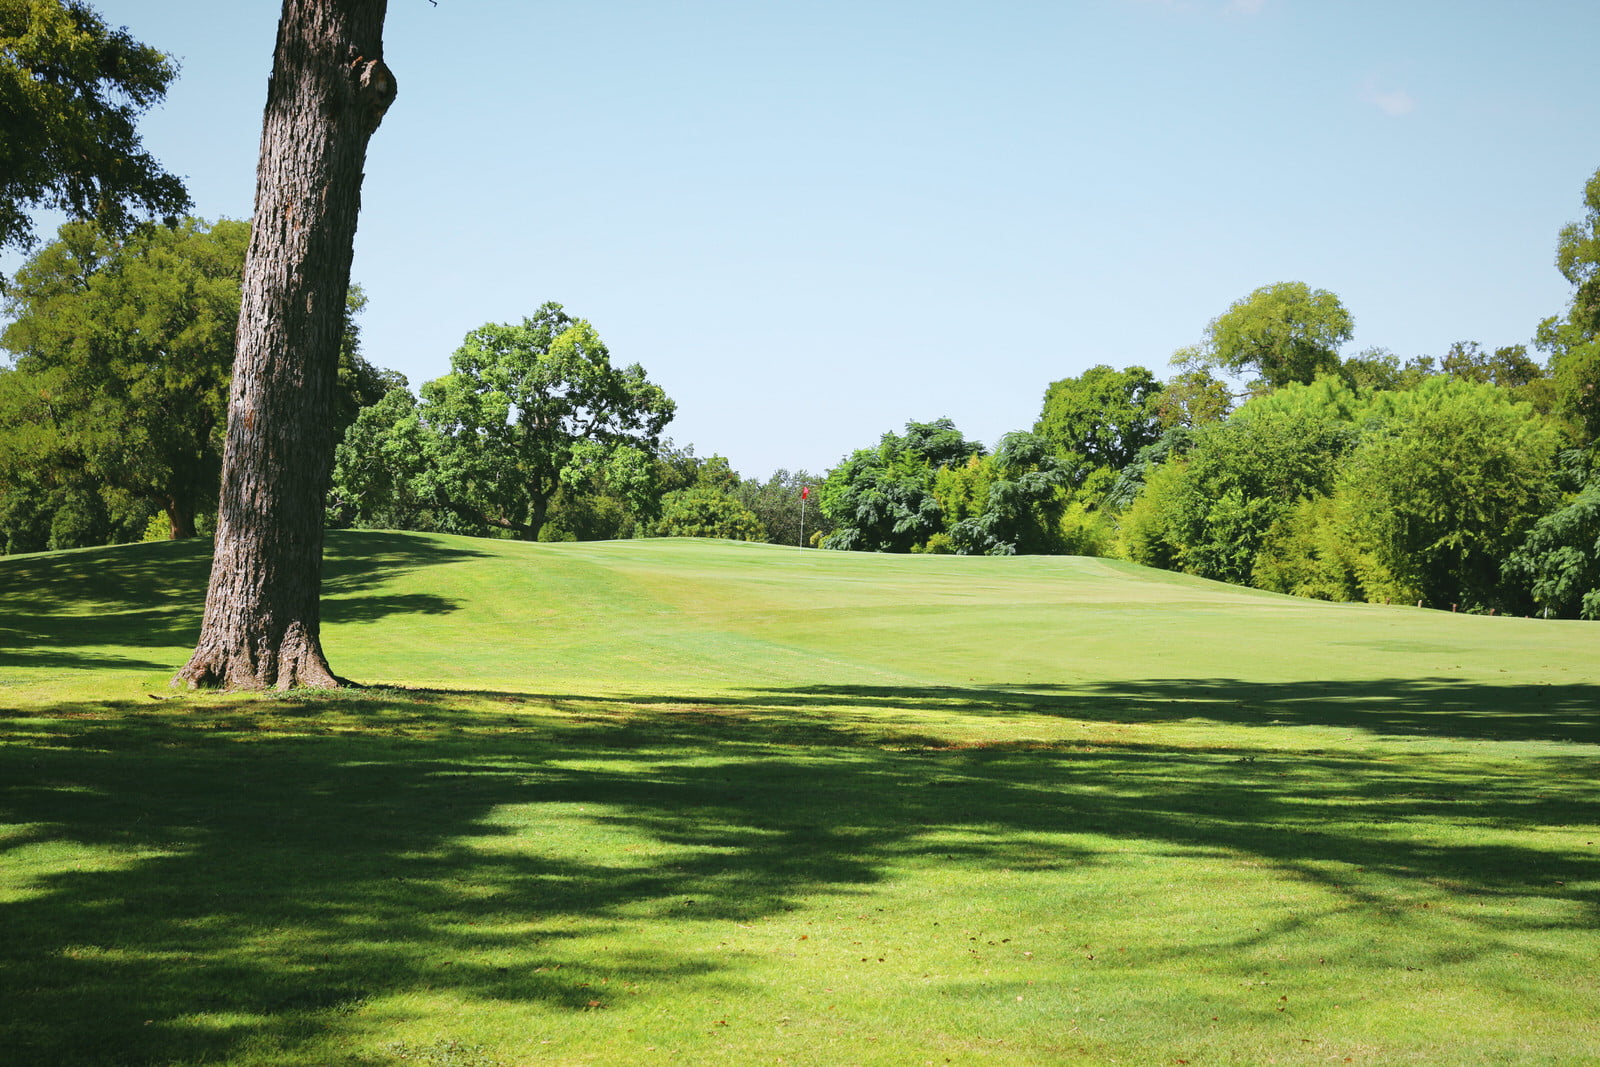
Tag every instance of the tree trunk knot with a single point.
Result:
(375, 87)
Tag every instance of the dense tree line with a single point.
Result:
(113, 410)
(535, 434)
(1466, 482)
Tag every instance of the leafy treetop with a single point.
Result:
(531, 408)
(71, 89)
(1285, 332)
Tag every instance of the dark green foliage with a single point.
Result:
(1559, 562)
(361, 383)
(383, 472)
(71, 90)
(1125, 486)
(591, 514)
(132, 342)
(1445, 485)
(1377, 370)
(1320, 490)
(882, 499)
(931, 490)
(597, 511)
(939, 443)
(1103, 417)
(529, 409)
(1027, 493)
(1243, 475)
(124, 350)
(1373, 369)
(1507, 366)
(532, 418)
(80, 519)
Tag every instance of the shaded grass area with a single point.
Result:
(116, 607)
(520, 878)
(1436, 707)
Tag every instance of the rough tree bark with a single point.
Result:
(328, 91)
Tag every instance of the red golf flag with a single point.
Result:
(805, 492)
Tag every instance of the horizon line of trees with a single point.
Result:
(1470, 482)
(1467, 481)
(113, 411)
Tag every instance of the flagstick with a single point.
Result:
(802, 521)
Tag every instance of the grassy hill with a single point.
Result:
(704, 802)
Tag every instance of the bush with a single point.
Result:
(704, 512)
(1559, 563)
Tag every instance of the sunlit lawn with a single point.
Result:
(690, 802)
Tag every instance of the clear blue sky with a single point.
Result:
(812, 221)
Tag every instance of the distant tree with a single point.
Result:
(962, 491)
(1559, 561)
(1574, 354)
(1172, 445)
(361, 383)
(676, 466)
(882, 500)
(703, 511)
(1324, 490)
(71, 91)
(1151, 526)
(716, 473)
(1286, 332)
(1573, 340)
(1445, 484)
(776, 502)
(1578, 260)
(1101, 418)
(140, 334)
(939, 443)
(1312, 550)
(386, 473)
(528, 411)
(1239, 478)
(1374, 369)
(1507, 366)
(1024, 502)
(598, 510)
(47, 499)
(1191, 398)
(132, 339)
(593, 513)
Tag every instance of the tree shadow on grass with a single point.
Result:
(256, 873)
(1431, 707)
(56, 608)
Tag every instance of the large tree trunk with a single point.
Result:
(328, 92)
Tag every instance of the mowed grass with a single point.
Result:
(691, 802)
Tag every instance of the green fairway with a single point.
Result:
(700, 802)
